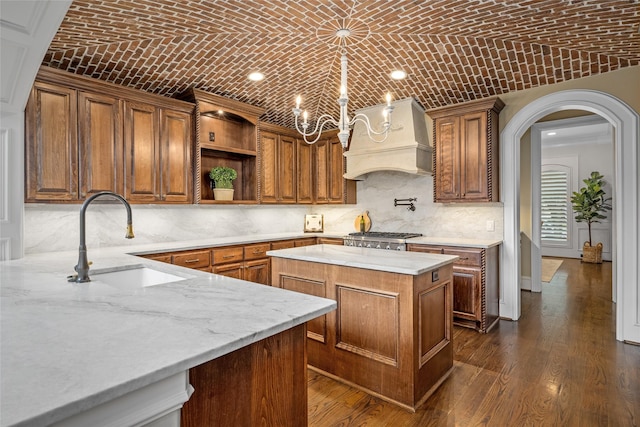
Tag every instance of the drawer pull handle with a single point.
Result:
(464, 258)
(191, 261)
(258, 252)
(228, 256)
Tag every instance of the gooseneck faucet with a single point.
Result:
(83, 264)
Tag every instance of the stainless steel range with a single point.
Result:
(379, 240)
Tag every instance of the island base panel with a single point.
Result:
(391, 334)
(264, 384)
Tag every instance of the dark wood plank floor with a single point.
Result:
(559, 365)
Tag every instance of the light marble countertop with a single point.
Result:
(455, 241)
(68, 347)
(402, 262)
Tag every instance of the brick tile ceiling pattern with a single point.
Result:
(452, 50)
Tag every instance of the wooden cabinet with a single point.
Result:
(51, 143)
(304, 166)
(248, 262)
(84, 136)
(475, 284)
(391, 334)
(466, 150)
(262, 384)
(329, 166)
(278, 166)
(227, 136)
(157, 154)
(330, 241)
(100, 144)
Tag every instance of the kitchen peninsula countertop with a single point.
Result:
(412, 263)
(68, 347)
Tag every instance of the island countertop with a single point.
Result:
(67, 347)
(402, 262)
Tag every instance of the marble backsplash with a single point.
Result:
(56, 227)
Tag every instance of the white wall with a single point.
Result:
(55, 227)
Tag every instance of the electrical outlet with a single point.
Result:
(212, 136)
(491, 225)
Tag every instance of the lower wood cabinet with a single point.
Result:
(264, 383)
(245, 262)
(476, 292)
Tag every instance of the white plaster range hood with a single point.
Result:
(406, 149)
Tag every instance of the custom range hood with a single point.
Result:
(406, 149)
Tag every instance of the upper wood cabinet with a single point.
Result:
(84, 136)
(51, 143)
(329, 166)
(282, 180)
(100, 137)
(227, 135)
(465, 161)
(157, 154)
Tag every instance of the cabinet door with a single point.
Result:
(473, 156)
(142, 157)
(100, 149)
(269, 167)
(304, 179)
(321, 169)
(258, 271)
(447, 159)
(51, 143)
(466, 293)
(175, 153)
(336, 171)
(229, 270)
(287, 170)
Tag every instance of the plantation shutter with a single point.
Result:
(555, 206)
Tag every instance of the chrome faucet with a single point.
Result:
(83, 264)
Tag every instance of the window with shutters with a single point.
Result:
(555, 205)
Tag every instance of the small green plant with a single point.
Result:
(590, 202)
(223, 176)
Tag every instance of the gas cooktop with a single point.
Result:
(385, 235)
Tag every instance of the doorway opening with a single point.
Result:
(626, 123)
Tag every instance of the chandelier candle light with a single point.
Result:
(344, 124)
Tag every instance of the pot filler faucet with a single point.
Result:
(83, 264)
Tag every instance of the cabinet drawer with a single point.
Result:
(413, 247)
(233, 269)
(467, 256)
(225, 255)
(192, 259)
(305, 242)
(282, 244)
(159, 257)
(256, 251)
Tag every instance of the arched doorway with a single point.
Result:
(625, 223)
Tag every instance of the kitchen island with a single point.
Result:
(391, 334)
(104, 353)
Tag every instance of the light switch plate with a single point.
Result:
(313, 223)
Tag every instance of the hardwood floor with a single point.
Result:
(559, 365)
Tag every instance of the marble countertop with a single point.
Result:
(455, 241)
(68, 347)
(402, 262)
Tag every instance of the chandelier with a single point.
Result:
(344, 123)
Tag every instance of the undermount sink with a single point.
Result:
(134, 276)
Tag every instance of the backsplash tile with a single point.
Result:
(56, 227)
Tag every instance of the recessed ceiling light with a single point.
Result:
(256, 76)
(398, 74)
(550, 133)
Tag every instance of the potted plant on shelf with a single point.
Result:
(589, 205)
(222, 178)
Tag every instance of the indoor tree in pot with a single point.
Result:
(222, 178)
(589, 205)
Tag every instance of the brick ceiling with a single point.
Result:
(452, 50)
